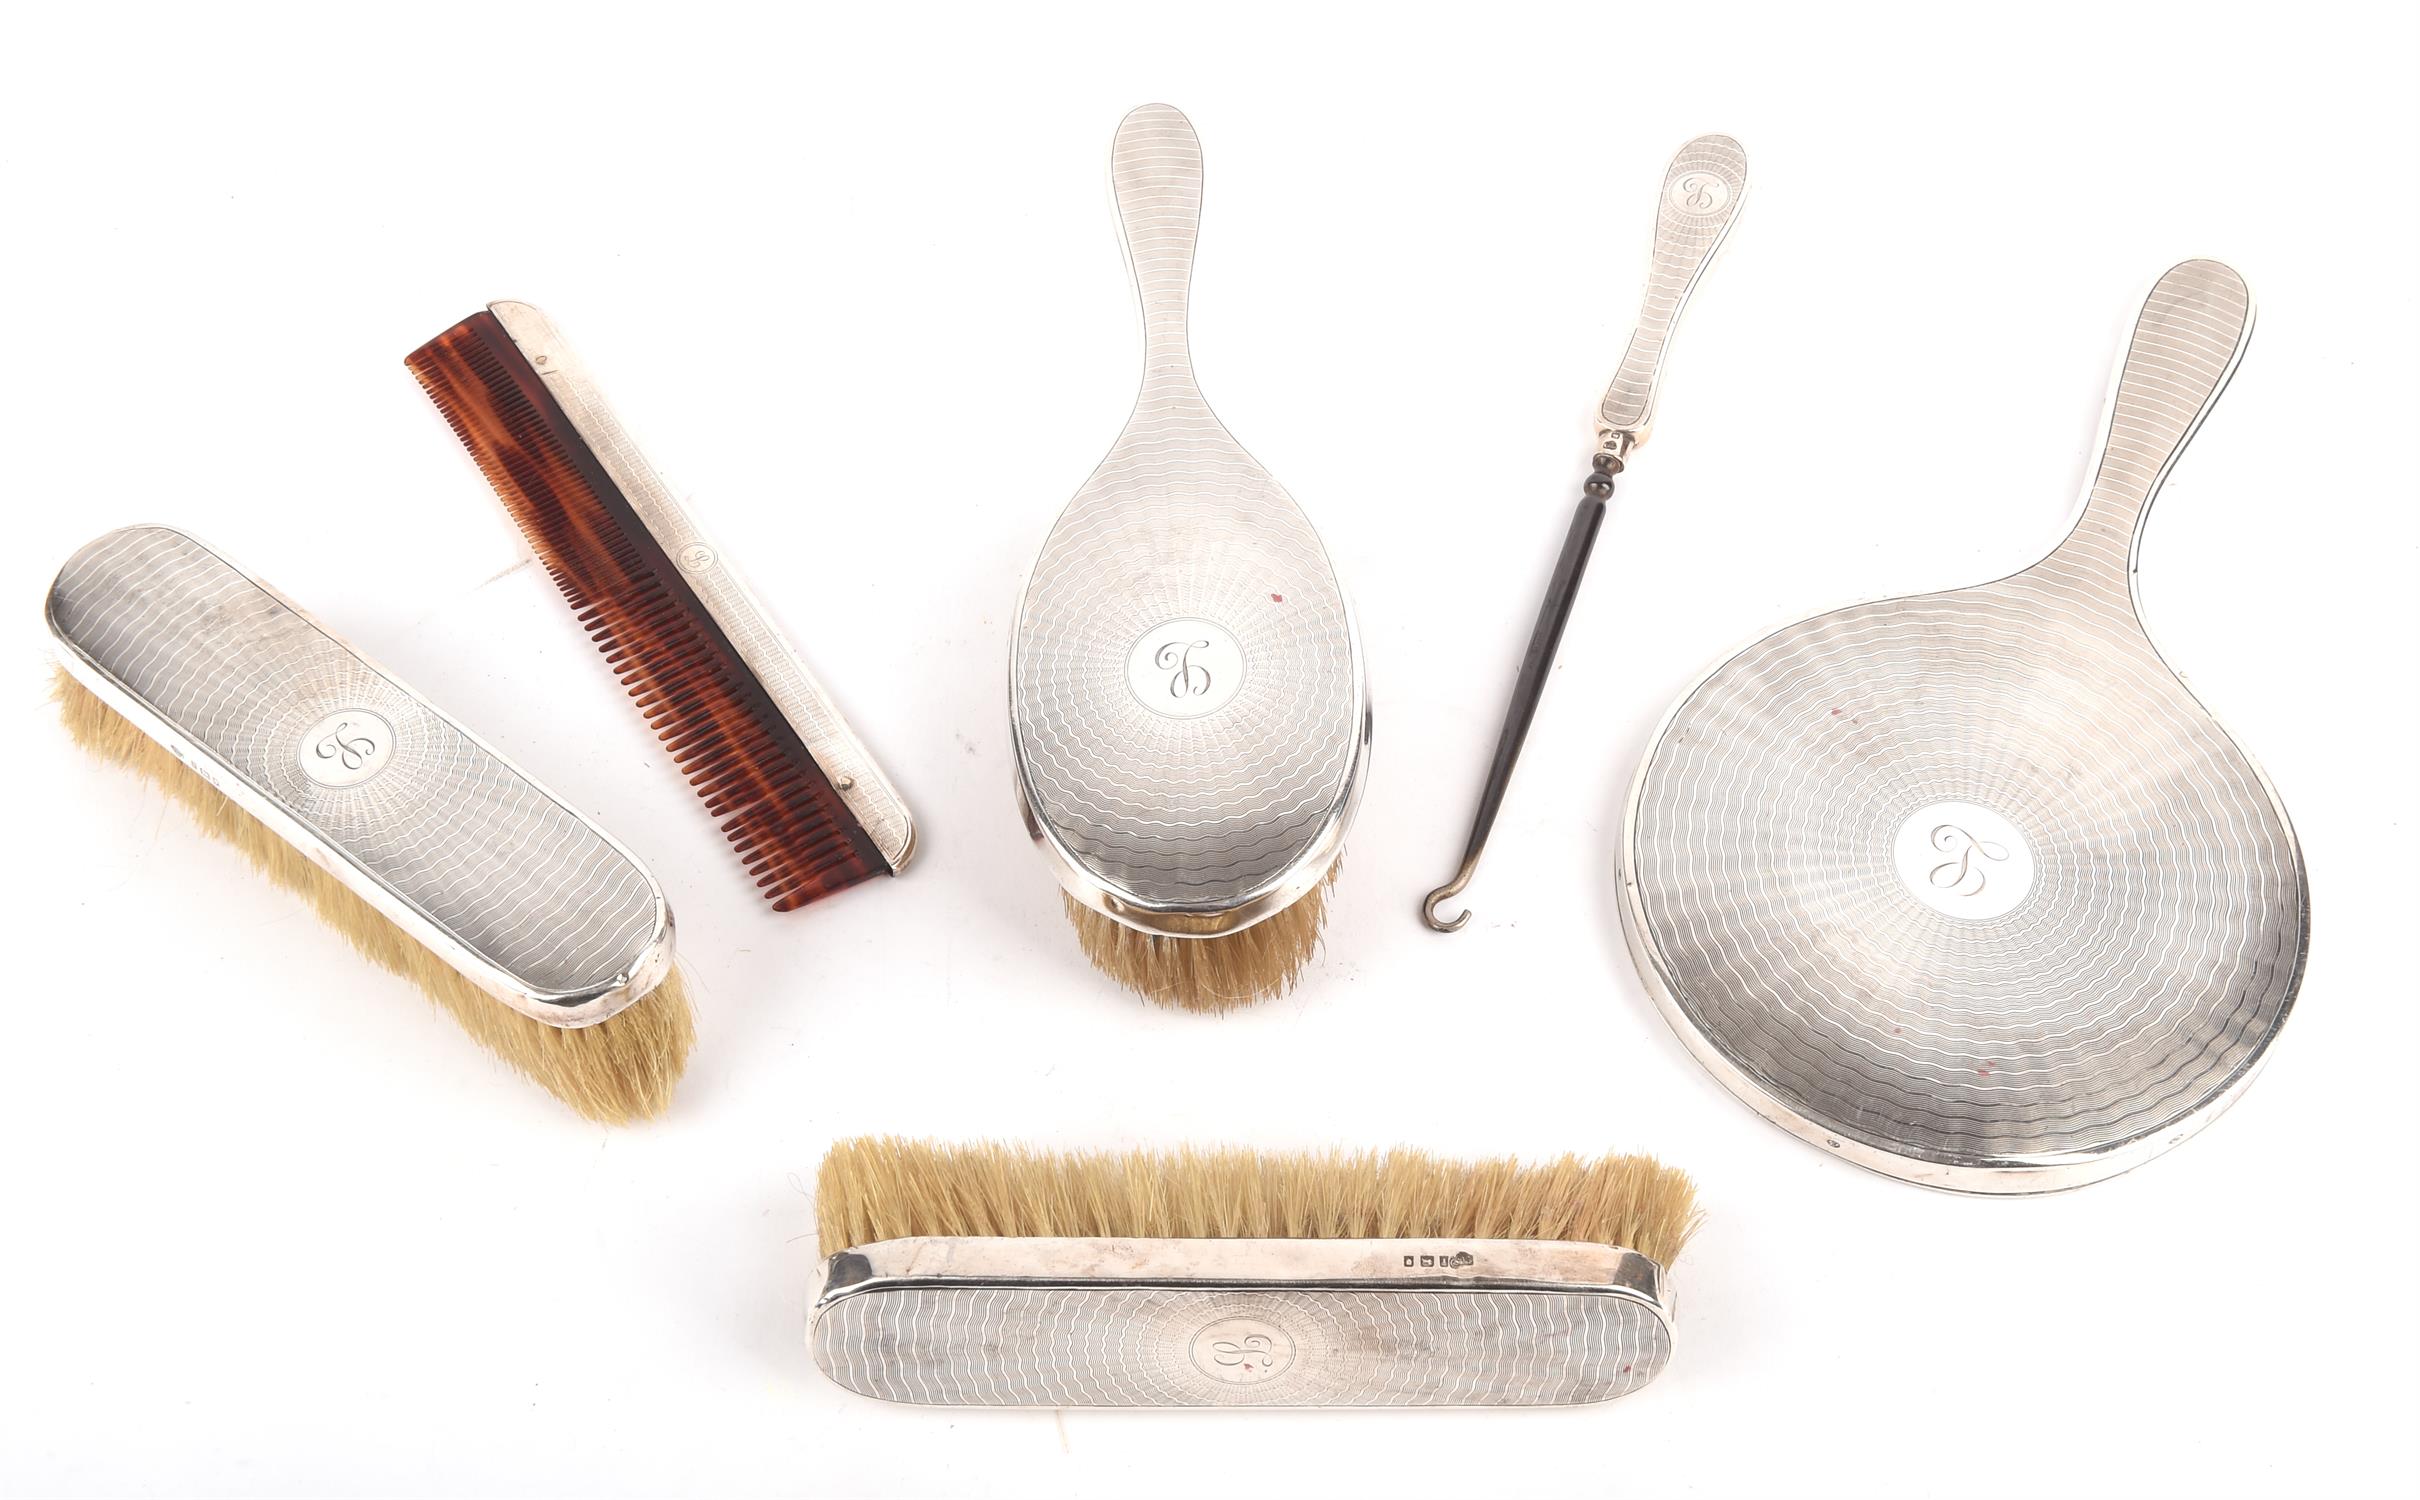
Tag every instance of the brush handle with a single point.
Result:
(2187, 341)
(1703, 189)
(1156, 169)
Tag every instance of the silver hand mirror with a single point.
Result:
(1968, 887)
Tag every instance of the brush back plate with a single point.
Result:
(441, 834)
(1070, 1322)
(1968, 887)
(1186, 690)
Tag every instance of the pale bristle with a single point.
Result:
(1209, 973)
(618, 1070)
(883, 1188)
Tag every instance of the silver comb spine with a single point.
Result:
(795, 692)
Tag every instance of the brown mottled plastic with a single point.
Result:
(749, 766)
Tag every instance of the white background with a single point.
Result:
(274, 1226)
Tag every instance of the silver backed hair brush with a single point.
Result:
(437, 857)
(1186, 695)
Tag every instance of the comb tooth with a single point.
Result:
(717, 776)
(795, 837)
(794, 841)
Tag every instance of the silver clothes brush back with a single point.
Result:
(1968, 887)
(1243, 1322)
(1186, 689)
(439, 833)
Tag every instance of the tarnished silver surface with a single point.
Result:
(1968, 887)
(438, 832)
(795, 693)
(1186, 690)
(1703, 190)
(1207, 1322)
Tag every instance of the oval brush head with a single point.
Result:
(1187, 697)
(433, 856)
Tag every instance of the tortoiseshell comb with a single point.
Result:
(796, 792)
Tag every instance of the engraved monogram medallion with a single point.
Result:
(1963, 860)
(1698, 193)
(1242, 1351)
(1185, 669)
(346, 748)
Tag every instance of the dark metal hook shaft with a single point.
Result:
(1554, 612)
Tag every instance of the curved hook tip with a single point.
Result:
(1437, 898)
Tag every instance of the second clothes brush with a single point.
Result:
(987, 1275)
(437, 857)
